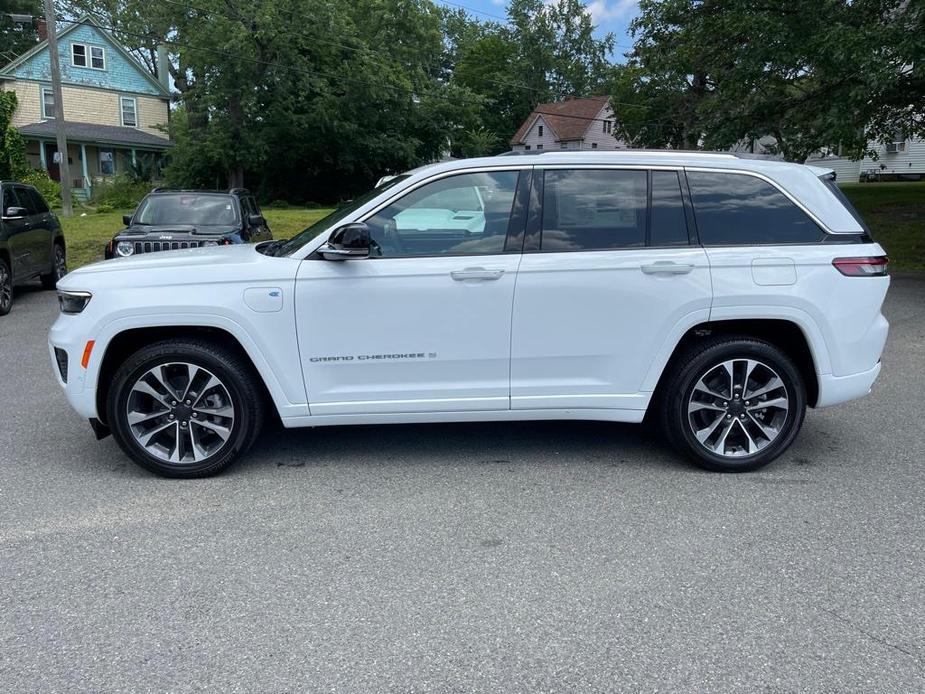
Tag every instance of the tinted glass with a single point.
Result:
(830, 183)
(26, 199)
(466, 214)
(184, 208)
(736, 209)
(40, 206)
(669, 224)
(593, 210)
(9, 199)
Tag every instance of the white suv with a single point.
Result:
(719, 293)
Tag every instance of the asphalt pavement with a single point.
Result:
(474, 557)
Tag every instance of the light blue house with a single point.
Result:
(114, 110)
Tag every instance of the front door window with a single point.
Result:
(467, 214)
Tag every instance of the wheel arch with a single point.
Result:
(128, 341)
(786, 335)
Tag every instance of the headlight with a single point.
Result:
(125, 248)
(210, 243)
(73, 302)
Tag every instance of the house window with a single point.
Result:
(608, 127)
(539, 146)
(540, 130)
(78, 55)
(97, 57)
(593, 145)
(526, 146)
(129, 108)
(48, 103)
(564, 145)
(107, 162)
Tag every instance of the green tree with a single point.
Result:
(17, 37)
(711, 73)
(12, 148)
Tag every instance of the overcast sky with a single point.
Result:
(609, 15)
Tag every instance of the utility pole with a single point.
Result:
(64, 172)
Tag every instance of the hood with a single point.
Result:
(157, 230)
(197, 260)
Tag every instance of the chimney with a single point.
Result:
(163, 66)
(42, 29)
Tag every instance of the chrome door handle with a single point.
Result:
(476, 273)
(667, 267)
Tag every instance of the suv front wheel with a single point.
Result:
(184, 408)
(733, 404)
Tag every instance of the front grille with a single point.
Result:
(153, 246)
(61, 358)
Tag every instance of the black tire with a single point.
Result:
(236, 375)
(688, 368)
(58, 267)
(6, 288)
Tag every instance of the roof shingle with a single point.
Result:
(90, 133)
(569, 119)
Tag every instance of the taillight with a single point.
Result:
(870, 266)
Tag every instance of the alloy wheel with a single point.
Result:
(738, 407)
(180, 413)
(60, 263)
(6, 288)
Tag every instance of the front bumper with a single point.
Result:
(66, 336)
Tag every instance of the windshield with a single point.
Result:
(303, 237)
(196, 209)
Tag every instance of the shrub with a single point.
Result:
(279, 205)
(50, 189)
(120, 192)
(104, 207)
(312, 205)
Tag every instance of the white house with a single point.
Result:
(902, 158)
(570, 124)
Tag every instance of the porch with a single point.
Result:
(95, 152)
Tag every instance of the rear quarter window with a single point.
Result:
(739, 210)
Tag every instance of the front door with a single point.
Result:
(424, 324)
(608, 273)
(54, 170)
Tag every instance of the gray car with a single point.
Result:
(31, 241)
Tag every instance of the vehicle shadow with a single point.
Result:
(513, 443)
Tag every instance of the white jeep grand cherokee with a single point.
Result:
(722, 294)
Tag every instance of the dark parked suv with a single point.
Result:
(31, 241)
(169, 219)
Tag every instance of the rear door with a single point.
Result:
(40, 235)
(609, 277)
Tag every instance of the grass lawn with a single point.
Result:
(895, 213)
(87, 236)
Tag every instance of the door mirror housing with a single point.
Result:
(349, 241)
(126, 219)
(15, 213)
(256, 220)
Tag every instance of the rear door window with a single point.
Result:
(734, 209)
(669, 222)
(9, 199)
(587, 209)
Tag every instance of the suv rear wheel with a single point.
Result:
(733, 404)
(184, 408)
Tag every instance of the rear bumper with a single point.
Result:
(834, 390)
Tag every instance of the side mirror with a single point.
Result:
(15, 213)
(126, 219)
(256, 220)
(348, 241)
